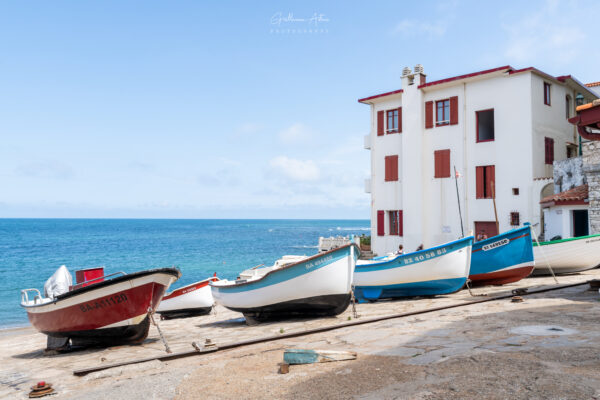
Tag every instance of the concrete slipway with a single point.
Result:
(546, 347)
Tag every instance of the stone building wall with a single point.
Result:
(591, 168)
(568, 174)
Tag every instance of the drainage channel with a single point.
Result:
(173, 356)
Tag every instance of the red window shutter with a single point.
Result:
(429, 114)
(380, 223)
(391, 168)
(379, 123)
(387, 169)
(394, 168)
(479, 184)
(490, 176)
(454, 110)
(400, 120)
(400, 223)
(436, 164)
(446, 163)
(442, 163)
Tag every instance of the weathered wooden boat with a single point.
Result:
(191, 300)
(107, 310)
(294, 286)
(438, 270)
(503, 258)
(567, 255)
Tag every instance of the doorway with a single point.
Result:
(580, 223)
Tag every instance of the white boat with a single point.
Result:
(191, 300)
(567, 255)
(437, 270)
(295, 285)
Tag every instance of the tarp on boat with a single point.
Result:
(58, 283)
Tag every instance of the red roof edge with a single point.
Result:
(380, 95)
(455, 78)
(592, 84)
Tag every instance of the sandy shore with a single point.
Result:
(543, 348)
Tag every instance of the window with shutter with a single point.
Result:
(549, 150)
(547, 87)
(392, 121)
(515, 219)
(442, 112)
(454, 110)
(395, 222)
(441, 163)
(400, 119)
(429, 114)
(380, 223)
(485, 181)
(391, 168)
(379, 123)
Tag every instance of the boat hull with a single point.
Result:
(438, 270)
(319, 285)
(114, 311)
(502, 259)
(191, 300)
(567, 256)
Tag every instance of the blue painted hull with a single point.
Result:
(503, 258)
(435, 271)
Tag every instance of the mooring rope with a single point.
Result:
(162, 337)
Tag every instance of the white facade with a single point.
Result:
(558, 221)
(521, 123)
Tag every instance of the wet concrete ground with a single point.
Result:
(545, 347)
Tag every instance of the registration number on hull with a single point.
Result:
(495, 245)
(103, 303)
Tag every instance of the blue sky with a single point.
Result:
(214, 110)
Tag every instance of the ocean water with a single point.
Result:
(32, 249)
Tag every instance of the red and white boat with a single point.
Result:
(191, 300)
(100, 311)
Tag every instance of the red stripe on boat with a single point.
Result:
(502, 277)
(189, 288)
(101, 311)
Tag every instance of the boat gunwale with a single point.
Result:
(493, 239)
(472, 238)
(535, 244)
(134, 275)
(285, 267)
(174, 291)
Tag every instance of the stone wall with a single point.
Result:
(568, 174)
(591, 168)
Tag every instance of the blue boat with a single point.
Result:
(503, 258)
(438, 270)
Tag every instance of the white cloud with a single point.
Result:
(51, 169)
(296, 170)
(296, 133)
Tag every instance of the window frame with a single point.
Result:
(446, 121)
(568, 106)
(477, 140)
(547, 94)
(515, 218)
(395, 119)
(548, 151)
(395, 222)
(486, 181)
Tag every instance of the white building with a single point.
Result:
(500, 128)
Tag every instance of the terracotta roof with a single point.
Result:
(592, 84)
(579, 193)
(594, 103)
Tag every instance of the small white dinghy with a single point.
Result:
(567, 255)
(294, 286)
(191, 300)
